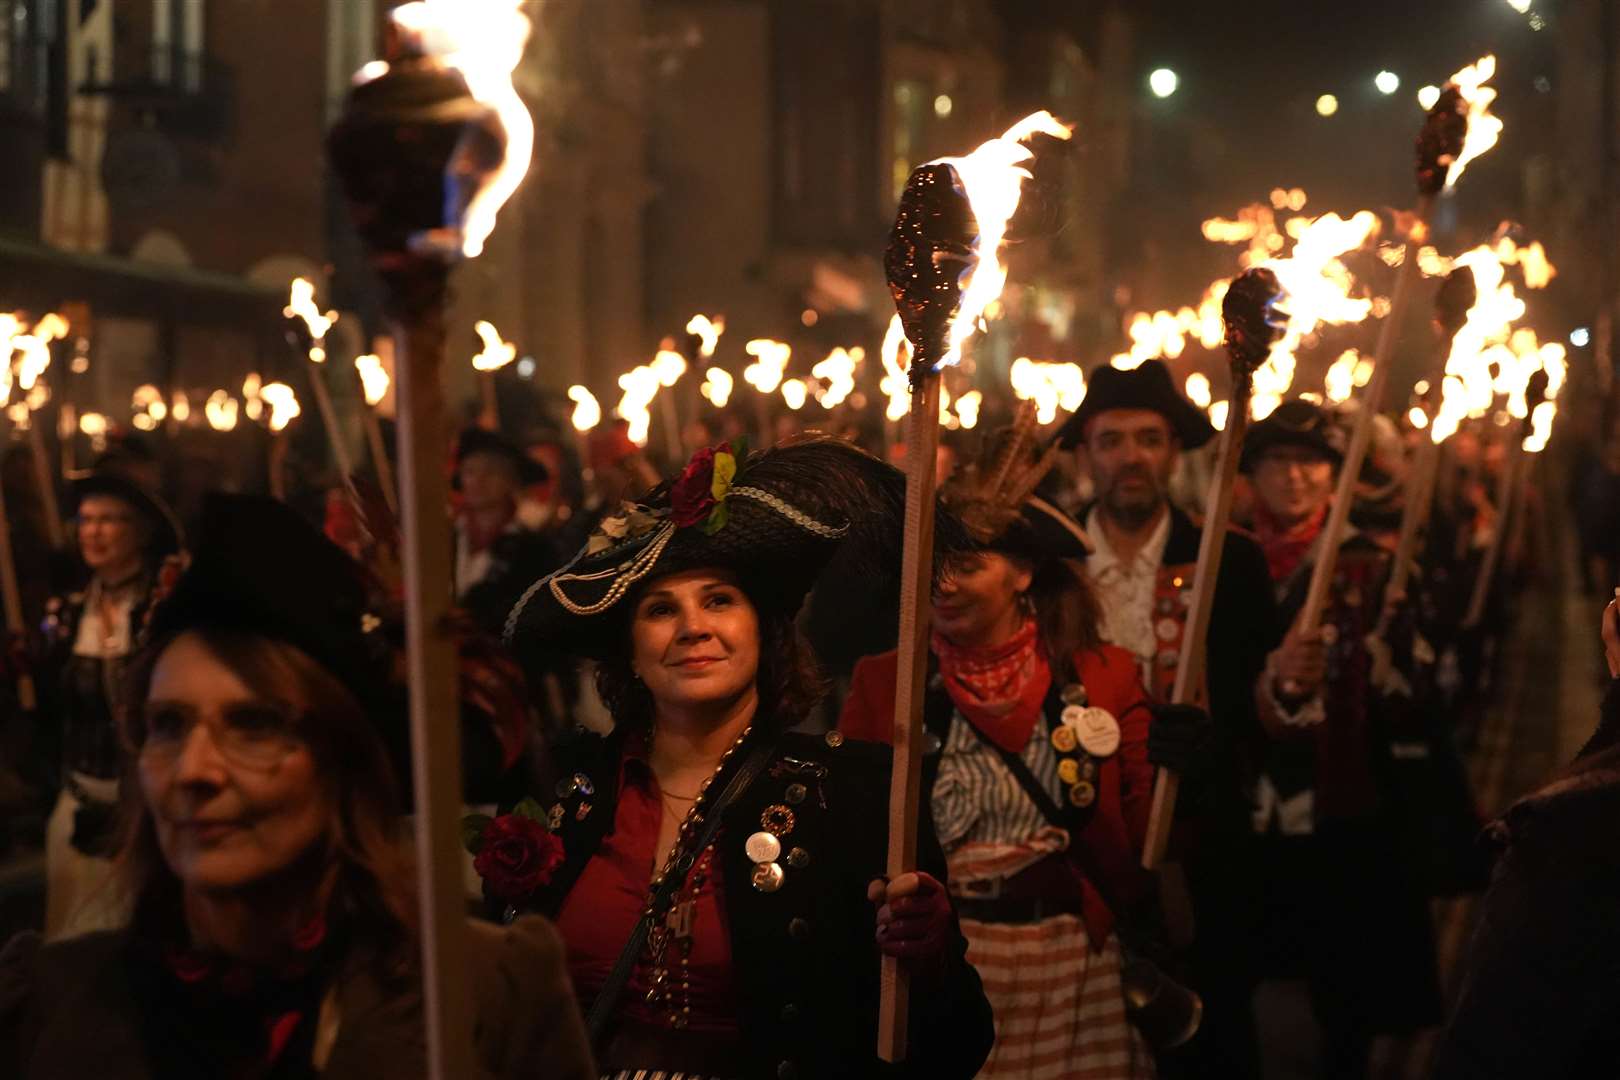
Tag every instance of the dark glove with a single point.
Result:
(913, 918)
(1182, 738)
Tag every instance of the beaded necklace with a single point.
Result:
(669, 942)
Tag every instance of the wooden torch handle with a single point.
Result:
(905, 785)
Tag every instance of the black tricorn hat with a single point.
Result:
(774, 522)
(477, 440)
(1145, 387)
(1294, 423)
(258, 568)
(166, 536)
(1041, 532)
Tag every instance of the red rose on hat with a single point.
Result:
(692, 497)
(516, 856)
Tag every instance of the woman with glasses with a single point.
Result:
(274, 928)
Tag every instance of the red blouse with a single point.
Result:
(608, 899)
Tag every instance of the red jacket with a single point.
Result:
(1111, 842)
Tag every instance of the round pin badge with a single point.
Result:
(1071, 714)
(1083, 794)
(767, 877)
(762, 847)
(1073, 694)
(1068, 770)
(1168, 629)
(1098, 732)
(1064, 739)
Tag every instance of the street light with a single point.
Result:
(1163, 82)
(1580, 337)
(1428, 96)
(1327, 105)
(1521, 6)
(1387, 82)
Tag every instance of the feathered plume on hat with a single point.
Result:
(994, 498)
(772, 517)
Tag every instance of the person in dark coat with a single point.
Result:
(752, 951)
(1340, 906)
(499, 548)
(125, 533)
(274, 926)
(1539, 991)
(1131, 430)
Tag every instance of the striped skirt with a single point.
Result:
(1059, 1009)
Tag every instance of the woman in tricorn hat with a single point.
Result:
(1037, 770)
(124, 534)
(719, 889)
(274, 920)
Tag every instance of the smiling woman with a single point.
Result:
(274, 917)
(718, 896)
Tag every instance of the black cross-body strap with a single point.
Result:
(601, 1013)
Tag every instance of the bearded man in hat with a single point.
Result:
(1131, 430)
(125, 534)
(1340, 907)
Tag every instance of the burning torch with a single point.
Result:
(301, 305)
(1451, 305)
(1458, 129)
(1253, 325)
(943, 267)
(430, 145)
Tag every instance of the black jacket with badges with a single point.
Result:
(805, 956)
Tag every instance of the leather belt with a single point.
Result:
(1016, 909)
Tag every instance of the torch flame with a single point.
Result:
(301, 305)
(993, 178)
(497, 353)
(770, 363)
(1483, 128)
(967, 409)
(1198, 390)
(669, 366)
(896, 357)
(640, 386)
(717, 384)
(221, 411)
(373, 377)
(837, 375)
(1050, 386)
(484, 40)
(284, 407)
(587, 412)
(708, 331)
(794, 392)
(33, 349)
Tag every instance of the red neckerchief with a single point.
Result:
(1286, 548)
(1000, 690)
(479, 539)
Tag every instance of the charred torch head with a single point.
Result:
(411, 150)
(929, 252)
(1253, 323)
(1456, 296)
(1441, 140)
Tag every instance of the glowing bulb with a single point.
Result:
(1387, 82)
(1428, 96)
(1163, 82)
(1327, 105)
(943, 106)
(1580, 337)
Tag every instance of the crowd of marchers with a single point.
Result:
(676, 702)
